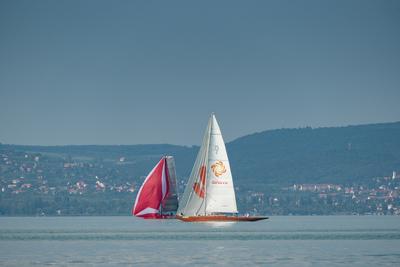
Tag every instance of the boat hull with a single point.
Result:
(220, 218)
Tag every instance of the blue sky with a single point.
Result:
(138, 72)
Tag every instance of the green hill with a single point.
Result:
(305, 155)
(284, 156)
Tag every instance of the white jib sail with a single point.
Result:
(220, 194)
(210, 187)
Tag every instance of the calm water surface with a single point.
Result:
(122, 241)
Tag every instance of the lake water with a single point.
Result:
(122, 241)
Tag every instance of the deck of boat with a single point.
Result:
(220, 218)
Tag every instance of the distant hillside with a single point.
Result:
(334, 154)
(139, 159)
(284, 156)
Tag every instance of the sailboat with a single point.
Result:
(209, 194)
(157, 198)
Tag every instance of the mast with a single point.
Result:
(206, 161)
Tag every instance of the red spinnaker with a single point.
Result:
(153, 191)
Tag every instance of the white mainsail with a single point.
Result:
(210, 186)
(170, 203)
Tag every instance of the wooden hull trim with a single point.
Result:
(220, 218)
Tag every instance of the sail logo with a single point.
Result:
(218, 168)
(200, 187)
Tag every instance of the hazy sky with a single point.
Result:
(135, 72)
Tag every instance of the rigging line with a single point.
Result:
(206, 163)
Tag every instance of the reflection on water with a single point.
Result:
(281, 241)
(220, 224)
